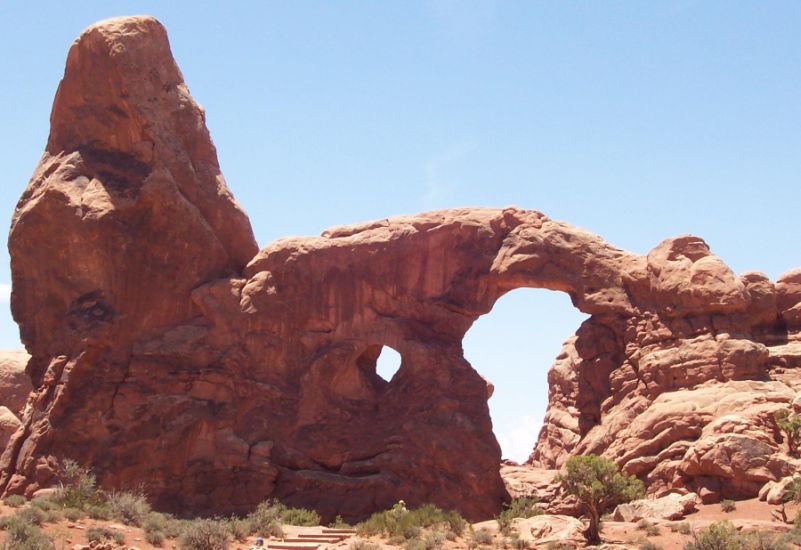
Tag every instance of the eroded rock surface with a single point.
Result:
(156, 329)
(15, 385)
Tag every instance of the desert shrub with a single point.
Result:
(396, 540)
(414, 544)
(22, 535)
(790, 425)
(73, 514)
(598, 485)
(718, 536)
(339, 523)
(99, 534)
(482, 536)
(98, 511)
(155, 538)
(15, 501)
(78, 486)
(128, 508)
(518, 543)
(524, 507)
(204, 534)
(728, 505)
(174, 527)
(364, 545)
(433, 540)
(758, 540)
(34, 516)
(154, 521)
(264, 520)
(299, 516)
(684, 528)
(643, 524)
(652, 531)
(238, 528)
(45, 504)
(648, 545)
(398, 521)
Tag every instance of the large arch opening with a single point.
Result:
(513, 346)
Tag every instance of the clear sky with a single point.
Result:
(636, 120)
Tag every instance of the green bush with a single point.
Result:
(73, 514)
(648, 545)
(204, 534)
(299, 516)
(154, 521)
(758, 540)
(78, 486)
(524, 507)
(45, 504)
(238, 528)
(98, 511)
(728, 505)
(399, 521)
(174, 527)
(339, 523)
(433, 540)
(718, 536)
(22, 535)
(518, 543)
(128, 508)
(792, 493)
(652, 531)
(482, 536)
(264, 520)
(155, 538)
(790, 424)
(34, 516)
(15, 501)
(99, 534)
(599, 486)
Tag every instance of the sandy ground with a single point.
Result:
(748, 515)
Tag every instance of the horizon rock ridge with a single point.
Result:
(157, 329)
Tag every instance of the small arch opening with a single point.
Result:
(388, 363)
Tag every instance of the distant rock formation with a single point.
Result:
(166, 350)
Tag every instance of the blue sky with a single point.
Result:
(636, 120)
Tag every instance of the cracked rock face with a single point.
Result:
(167, 350)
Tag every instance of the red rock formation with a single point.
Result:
(165, 349)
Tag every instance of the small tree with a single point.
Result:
(790, 424)
(598, 485)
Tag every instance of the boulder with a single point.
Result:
(547, 528)
(773, 491)
(15, 385)
(9, 424)
(671, 507)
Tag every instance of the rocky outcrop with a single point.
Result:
(15, 385)
(671, 507)
(550, 529)
(157, 329)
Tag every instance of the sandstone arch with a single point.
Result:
(156, 328)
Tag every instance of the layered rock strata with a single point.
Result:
(166, 348)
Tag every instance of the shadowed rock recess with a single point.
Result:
(167, 350)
